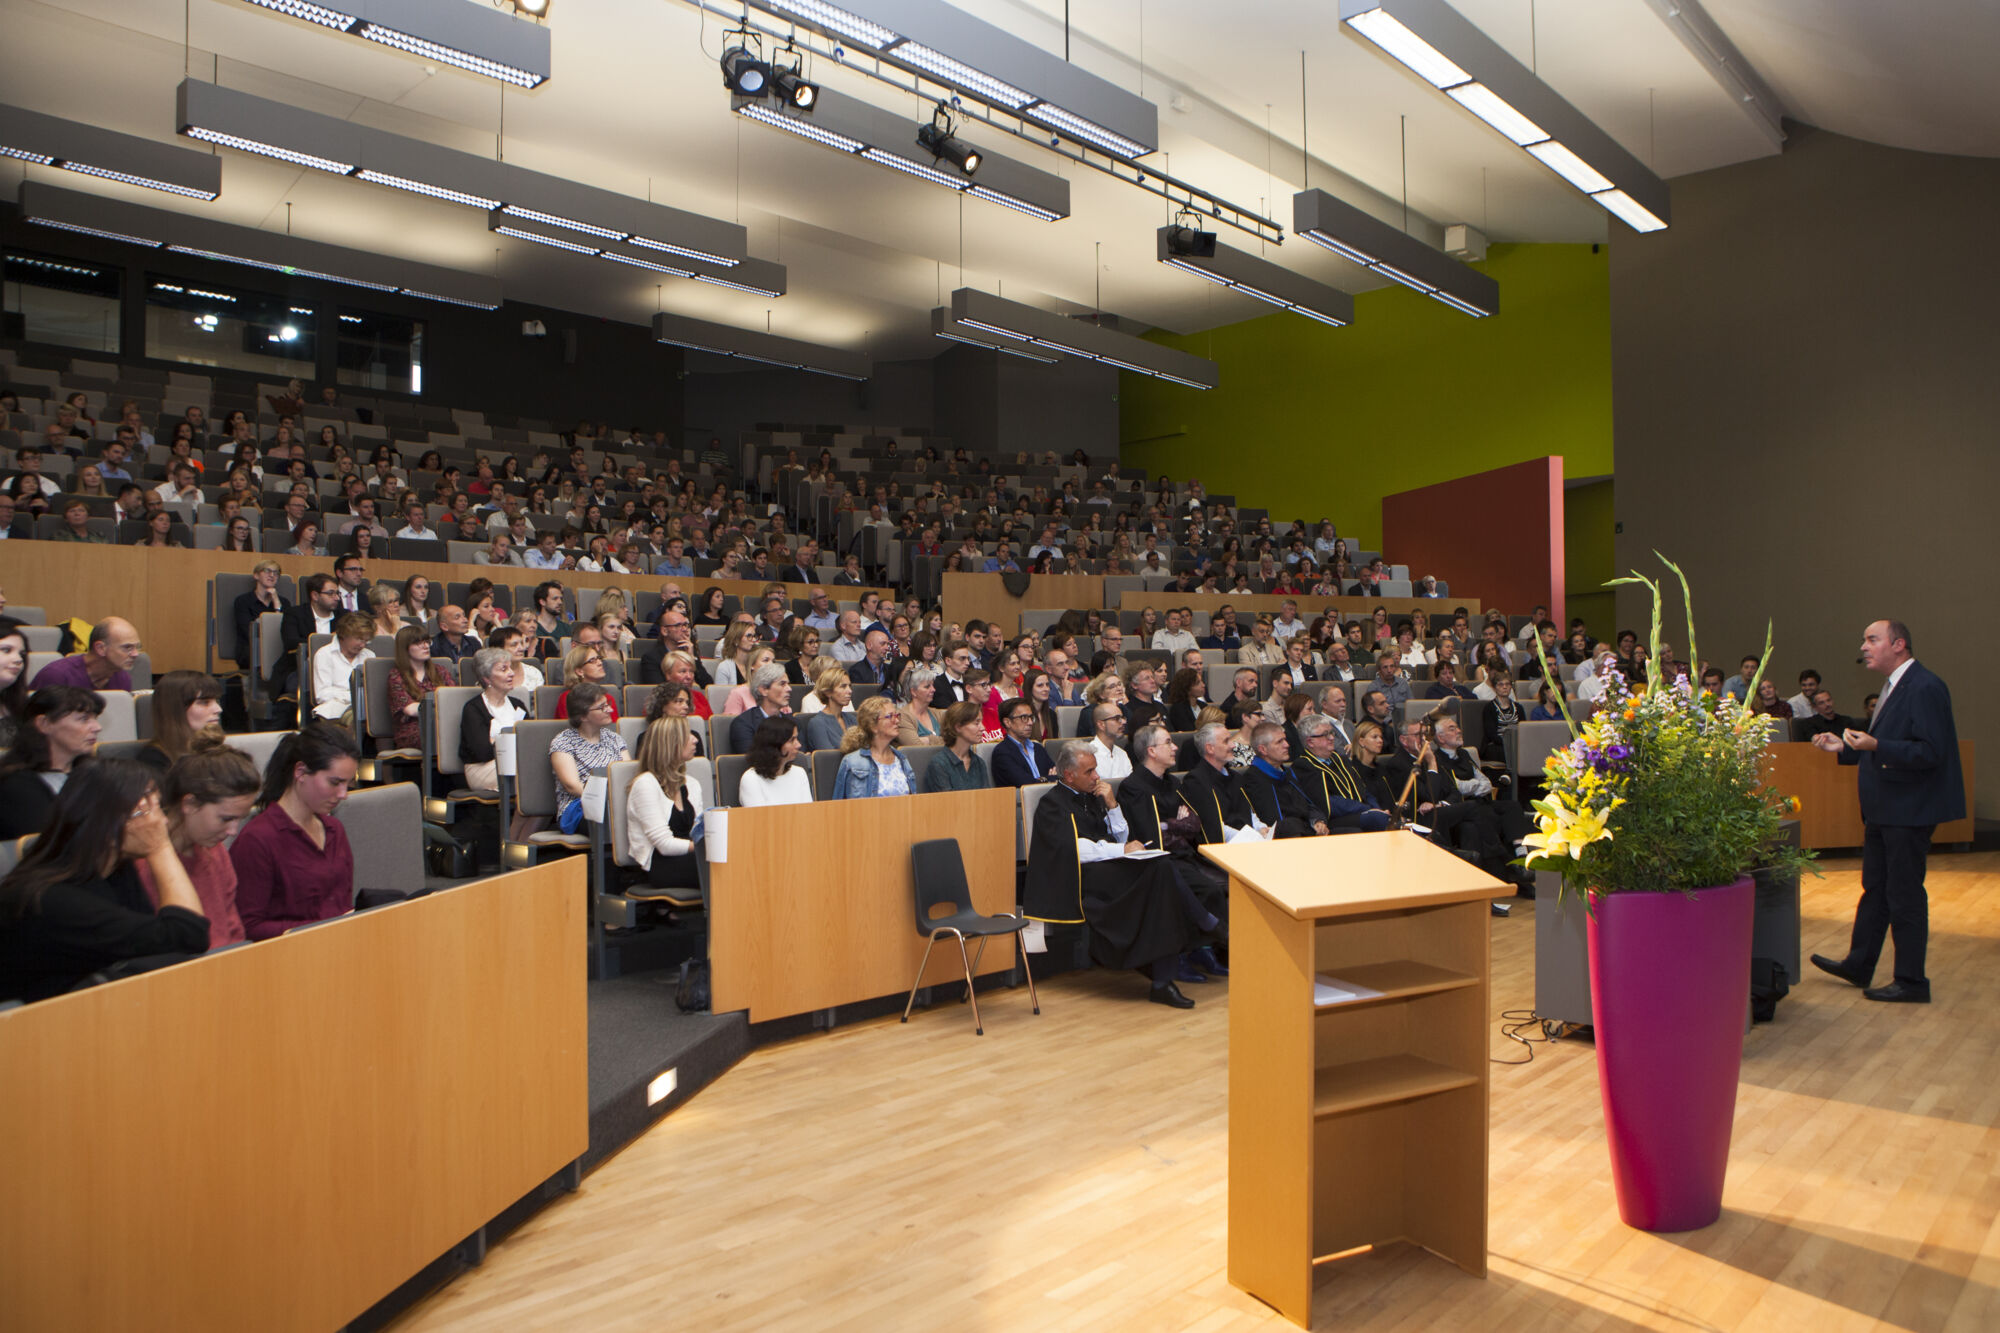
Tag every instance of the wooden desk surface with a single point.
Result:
(1355, 872)
(1829, 794)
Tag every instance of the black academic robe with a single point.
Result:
(1133, 908)
(1216, 801)
(1278, 801)
(1333, 787)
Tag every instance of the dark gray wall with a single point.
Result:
(723, 397)
(1805, 403)
(1067, 406)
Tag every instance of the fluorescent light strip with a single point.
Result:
(1009, 201)
(125, 178)
(555, 242)
(1325, 318)
(53, 267)
(1392, 272)
(1076, 127)
(311, 13)
(270, 150)
(449, 300)
(637, 262)
(886, 159)
(211, 296)
(767, 361)
(1248, 290)
(1570, 167)
(739, 286)
(1430, 63)
(221, 257)
(423, 188)
(1457, 304)
(1490, 107)
(96, 231)
(1341, 248)
(1634, 214)
(350, 319)
(550, 219)
(803, 128)
(996, 347)
(1064, 348)
(418, 46)
(720, 261)
(965, 76)
(835, 19)
(1199, 271)
(39, 159)
(993, 328)
(301, 310)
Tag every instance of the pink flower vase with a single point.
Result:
(1670, 988)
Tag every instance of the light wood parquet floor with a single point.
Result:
(1067, 1172)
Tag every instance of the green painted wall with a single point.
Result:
(1311, 420)
(1588, 555)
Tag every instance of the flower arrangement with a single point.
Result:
(1662, 791)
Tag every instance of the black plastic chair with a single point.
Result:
(939, 872)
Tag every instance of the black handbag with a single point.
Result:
(446, 857)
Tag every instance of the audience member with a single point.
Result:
(415, 677)
(185, 705)
(206, 795)
(1329, 781)
(57, 733)
(584, 665)
(293, 862)
(13, 680)
(75, 905)
(663, 809)
(770, 696)
(1823, 720)
(334, 666)
(822, 728)
(1262, 649)
(954, 766)
(1548, 704)
(1808, 686)
(588, 746)
(742, 698)
(1107, 742)
(486, 715)
(105, 663)
(773, 776)
(871, 765)
(1278, 799)
(1018, 758)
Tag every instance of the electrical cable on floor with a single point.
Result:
(1514, 1022)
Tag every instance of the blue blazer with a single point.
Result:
(1010, 768)
(1912, 776)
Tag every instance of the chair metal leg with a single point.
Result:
(978, 1028)
(907, 1004)
(1033, 999)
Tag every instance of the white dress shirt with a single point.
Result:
(1113, 764)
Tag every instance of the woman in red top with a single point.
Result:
(293, 862)
(414, 677)
(207, 795)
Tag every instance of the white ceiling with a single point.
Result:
(636, 105)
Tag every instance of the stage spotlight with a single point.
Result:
(1184, 240)
(937, 139)
(792, 89)
(744, 74)
(532, 8)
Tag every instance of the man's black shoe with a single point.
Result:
(1170, 995)
(1900, 992)
(1839, 968)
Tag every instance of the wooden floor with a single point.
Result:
(1067, 1173)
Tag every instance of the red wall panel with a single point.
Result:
(1497, 535)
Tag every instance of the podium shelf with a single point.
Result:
(1392, 1078)
(1396, 979)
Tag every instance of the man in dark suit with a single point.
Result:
(313, 615)
(1910, 783)
(1273, 792)
(1018, 759)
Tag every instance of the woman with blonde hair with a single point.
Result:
(582, 664)
(870, 763)
(823, 728)
(663, 809)
(733, 664)
(385, 603)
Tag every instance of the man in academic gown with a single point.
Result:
(1151, 799)
(1278, 799)
(1140, 913)
(1329, 782)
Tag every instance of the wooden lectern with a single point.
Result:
(1357, 1055)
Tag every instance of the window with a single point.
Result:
(384, 352)
(228, 327)
(60, 301)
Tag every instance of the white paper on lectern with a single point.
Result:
(505, 752)
(1332, 990)
(716, 821)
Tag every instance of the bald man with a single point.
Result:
(105, 663)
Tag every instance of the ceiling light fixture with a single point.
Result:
(90, 150)
(760, 277)
(850, 125)
(744, 72)
(940, 140)
(204, 238)
(476, 38)
(1191, 251)
(1364, 239)
(1447, 51)
(751, 345)
(1091, 342)
(789, 86)
(944, 43)
(944, 326)
(224, 115)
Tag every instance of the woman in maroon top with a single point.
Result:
(293, 864)
(207, 795)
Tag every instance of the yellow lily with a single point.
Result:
(1566, 832)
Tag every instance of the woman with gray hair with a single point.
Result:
(916, 721)
(486, 715)
(822, 730)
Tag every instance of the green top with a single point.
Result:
(946, 773)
